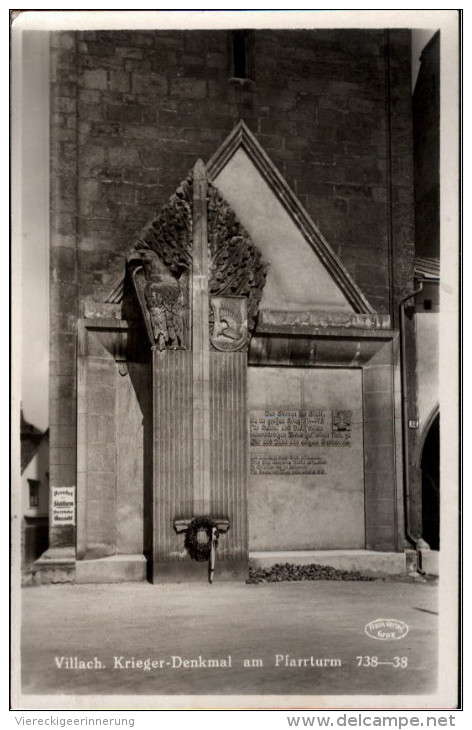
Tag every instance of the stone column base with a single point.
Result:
(114, 569)
(56, 565)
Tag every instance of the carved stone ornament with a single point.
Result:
(342, 420)
(230, 323)
(236, 266)
(170, 233)
(160, 262)
(161, 268)
(164, 301)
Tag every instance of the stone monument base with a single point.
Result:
(191, 571)
(114, 569)
(59, 566)
(369, 562)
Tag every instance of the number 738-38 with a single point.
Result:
(398, 662)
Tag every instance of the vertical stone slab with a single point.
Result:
(414, 504)
(129, 467)
(100, 460)
(200, 343)
(228, 464)
(398, 429)
(172, 454)
(381, 484)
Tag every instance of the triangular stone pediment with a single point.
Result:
(304, 274)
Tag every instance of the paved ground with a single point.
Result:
(109, 625)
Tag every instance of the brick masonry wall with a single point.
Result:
(132, 111)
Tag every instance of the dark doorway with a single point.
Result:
(430, 469)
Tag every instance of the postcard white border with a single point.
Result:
(447, 21)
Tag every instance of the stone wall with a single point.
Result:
(132, 111)
(426, 108)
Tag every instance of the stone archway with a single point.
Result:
(430, 468)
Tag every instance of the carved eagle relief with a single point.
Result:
(161, 259)
(166, 300)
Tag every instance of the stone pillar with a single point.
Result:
(381, 485)
(199, 429)
(172, 458)
(229, 449)
(57, 563)
(200, 345)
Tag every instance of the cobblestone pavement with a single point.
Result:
(286, 638)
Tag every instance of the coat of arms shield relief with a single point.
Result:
(230, 332)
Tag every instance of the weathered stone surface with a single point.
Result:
(281, 84)
(115, 569)
(95, 79)
(129, 525)
(131, 113)
(378, 431)
(130, 467)
(101, 485)
(172, 466)
(101, 400)
(324, 319)
(100, 429)
(101, 457)
(292, 511)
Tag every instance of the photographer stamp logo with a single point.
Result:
(386, 629)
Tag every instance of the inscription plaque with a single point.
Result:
(306, 459)
(285, 464)
(300, 428)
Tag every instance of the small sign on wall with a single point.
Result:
(63, 506)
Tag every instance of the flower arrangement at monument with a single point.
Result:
(198, 538)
